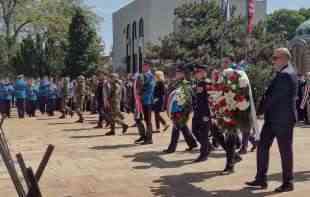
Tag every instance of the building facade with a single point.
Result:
(146, 21)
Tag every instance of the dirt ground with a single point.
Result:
(88, 164)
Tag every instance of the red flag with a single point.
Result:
(251, 15)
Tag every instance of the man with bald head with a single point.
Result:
(279, 109)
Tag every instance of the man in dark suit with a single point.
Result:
(279, 109)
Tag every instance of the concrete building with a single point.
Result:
(146, 21)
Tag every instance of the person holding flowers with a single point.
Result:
(233, 109)
(179, 108)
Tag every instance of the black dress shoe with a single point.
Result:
(200, 159)
(62, 117)
(98, 127)
(141, 139)
(80, 121)
(253, 148)
(228, 171)
(147, 142)
(257, 183)
(110, 133)
(237, 158)
(167, 151)
(191, 148)
(286, 187)
(125, 128)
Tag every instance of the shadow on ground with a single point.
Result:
(86, 136)
(79, 129)
(183, 186)
(152, 159)
(113, 147)
(60, 123)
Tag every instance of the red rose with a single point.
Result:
(233, 77)
(239, 98)
(226, 89)
(231, 123)
(222, 103)
(210, 87)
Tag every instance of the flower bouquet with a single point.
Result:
(230, 100)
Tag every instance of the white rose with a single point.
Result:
(243, 82)
(234, 87)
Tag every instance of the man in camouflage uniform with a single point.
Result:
(80, 93)
(93, 88)
(115, 99)
(64, 92)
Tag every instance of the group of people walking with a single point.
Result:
(147, 93)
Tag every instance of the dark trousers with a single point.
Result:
(103, 116)
(200, 130)
(43, 104)
(5, 106)
(229, 143)
(31, 108)
(147, 115)
(51, 106)
(159, 120)
(246, 138)
(284, 136)
(177, 128)
(20, 104)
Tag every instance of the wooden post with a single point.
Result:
(34, 190)
(44, 161)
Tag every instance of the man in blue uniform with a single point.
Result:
(43, 94)
(51, 98)
(201, 119)
(31, 99)
(147, 100)
(20, 95)
(6, 92)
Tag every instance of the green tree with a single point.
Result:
(82, 48)
(286, 21)
(305, 12)
(203, 32)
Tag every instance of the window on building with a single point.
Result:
(141, 28)
(134, 30)
(128, 32)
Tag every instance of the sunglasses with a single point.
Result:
(275, 57)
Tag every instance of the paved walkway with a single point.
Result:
(88, 164)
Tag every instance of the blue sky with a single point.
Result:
(105, 8)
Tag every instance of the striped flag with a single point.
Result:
(170, 101)
(306, 95)
(226, 8)
(251, 15)
(137, 97)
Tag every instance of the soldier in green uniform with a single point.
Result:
(64, 91)
(80, 93)
(115, 99)
(93, 89)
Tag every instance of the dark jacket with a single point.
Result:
(279, 104)
(201, 100)
(159, 96)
